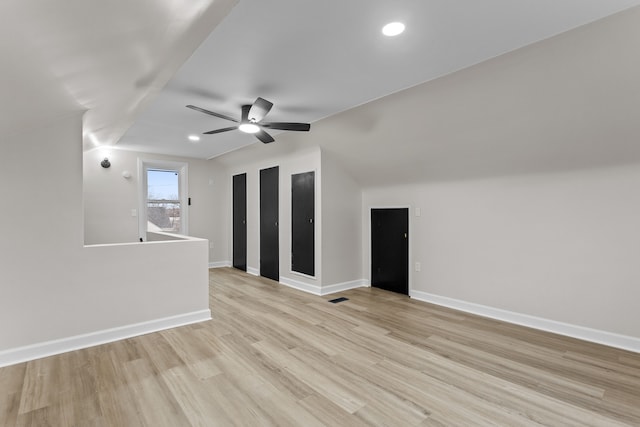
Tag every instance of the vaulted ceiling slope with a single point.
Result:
(314, 59)
(108, 58)
(564, 102)
(568, 102)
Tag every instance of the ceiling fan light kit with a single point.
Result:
(251, 121)
(393, 29)
(249, 128)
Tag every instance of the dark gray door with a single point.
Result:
(240, 221)
(390, 249)
(302, 223)
(269, 236)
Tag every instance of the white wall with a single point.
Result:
(52, 287)
(299, 163)
(296, 162)
(341, 224)
(338, 204)
(109, 198)
(560, 246)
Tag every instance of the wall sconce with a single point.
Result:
(105, 163)
(126, 175)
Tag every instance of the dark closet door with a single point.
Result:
(240, 221)
(390, 249)
(269, 237)
(302, 223)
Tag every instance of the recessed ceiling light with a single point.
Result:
(249, 128)
(194, 138)
(393, 29)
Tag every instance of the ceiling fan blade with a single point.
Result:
(259, 109)
(264, 137)
(211, 113)
(302, 127)
(211, 132)
(245, 113)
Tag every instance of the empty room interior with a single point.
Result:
(279, 212)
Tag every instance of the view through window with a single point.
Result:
(164, 211)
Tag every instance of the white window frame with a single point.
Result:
(183, 172)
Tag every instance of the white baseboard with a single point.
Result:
(322, 290)
(301, 286)
(344, 286)
(219, 264)
(587, 334)
(253, 271)
(77, 342)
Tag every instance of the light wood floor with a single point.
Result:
(275, 356)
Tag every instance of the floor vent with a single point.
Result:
(337, 300)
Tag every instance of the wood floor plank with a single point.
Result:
(39, 384)
(9, 406)
(336, 391)
(275, 356)
(191, 394)
(330, 413)
(152, 397)
(259, 365)
(160, 352)
(239, 406)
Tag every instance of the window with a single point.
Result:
(163, 194)
(163, 201)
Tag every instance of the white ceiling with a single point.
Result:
(324, 62)
(108, 58)
(314, 59)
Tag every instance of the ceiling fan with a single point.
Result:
(250, 121)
